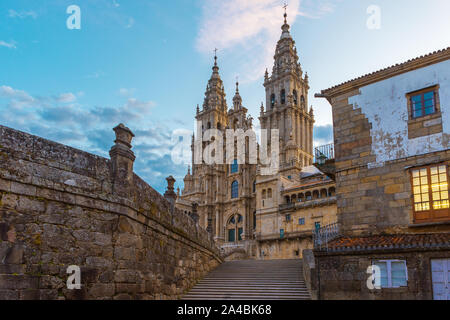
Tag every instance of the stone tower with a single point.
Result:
(287, 103)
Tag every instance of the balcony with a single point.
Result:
(324, 160)
(286, 207)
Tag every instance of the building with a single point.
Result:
(391, 132)
(239, 206)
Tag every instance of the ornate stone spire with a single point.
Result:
(215, 92)
(237, 100)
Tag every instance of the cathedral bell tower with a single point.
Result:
(214, 112)
(287, 103)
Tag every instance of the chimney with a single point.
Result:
(170, 194)
(122, 160)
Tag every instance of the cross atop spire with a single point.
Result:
(215, 56)
(285, 12)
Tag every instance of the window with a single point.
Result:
(234, 190)
(264, 194)
(234, 166)
(317, 225)
(254, 186)
(393, 273)
(430, 193)
(231, 235)
(301, 221)
(269, 193)
(254, 220)
(240, 230)
(283, 96)
(423, 103)
(281, 233)
(272, 100)
(288, 218)
(294, 93)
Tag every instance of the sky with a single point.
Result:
(146, 63)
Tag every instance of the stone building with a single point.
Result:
(391, 131)
(234, 201)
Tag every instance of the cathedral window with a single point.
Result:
(302, 101)
(294, 93)
(272, 100)
(235, 166)
(283, 96)
(234, 190)
(269, 193)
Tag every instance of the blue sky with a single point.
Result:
(146, 62)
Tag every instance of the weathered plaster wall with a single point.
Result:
(60, 206)
(385, 105)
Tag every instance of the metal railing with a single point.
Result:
(323, 153)
(322, 236)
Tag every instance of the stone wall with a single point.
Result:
(60, 207)
(344, 276)
(374, 194)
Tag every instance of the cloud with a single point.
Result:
(22, 14)
(66, 97)
(61, 118)
(323, 134)
(250, 28)
(10, 45)
(124, 92)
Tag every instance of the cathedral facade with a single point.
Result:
(238, 205)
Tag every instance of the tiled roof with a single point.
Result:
(422, 61)
(384, 242)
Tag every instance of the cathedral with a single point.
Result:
(266, 216)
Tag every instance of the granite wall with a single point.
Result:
(60, 207)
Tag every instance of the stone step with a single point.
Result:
(253, 280)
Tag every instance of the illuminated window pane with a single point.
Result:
(416, 182)
(423, 172)
(424, 180)
(443, 177)
(425, 189)
(442, 169)
(434, 179)
(425, 197)
(416, 173)
(445, 204)
(444, 195)
(434, 170)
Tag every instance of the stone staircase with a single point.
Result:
(253, 280)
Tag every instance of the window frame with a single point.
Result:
(389, 272)
(422, 92)
(234, 167)
(235, 189)
(434, 215)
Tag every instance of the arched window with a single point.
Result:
(332, 192)
(302, 101)
(209, 125)
(235, 228)
(308, 196)
(294, 93)
(315, 194)
(301, 197)
(234, 190)
(272, 100)
(288, 199)
(219, 126)
(234, 166)
(254, 186)
(323, 193)
(283, 96)
(264, 194)
(269, 193)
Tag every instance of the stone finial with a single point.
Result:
(122, 159)
(170, 194)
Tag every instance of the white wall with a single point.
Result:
(385, 105)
